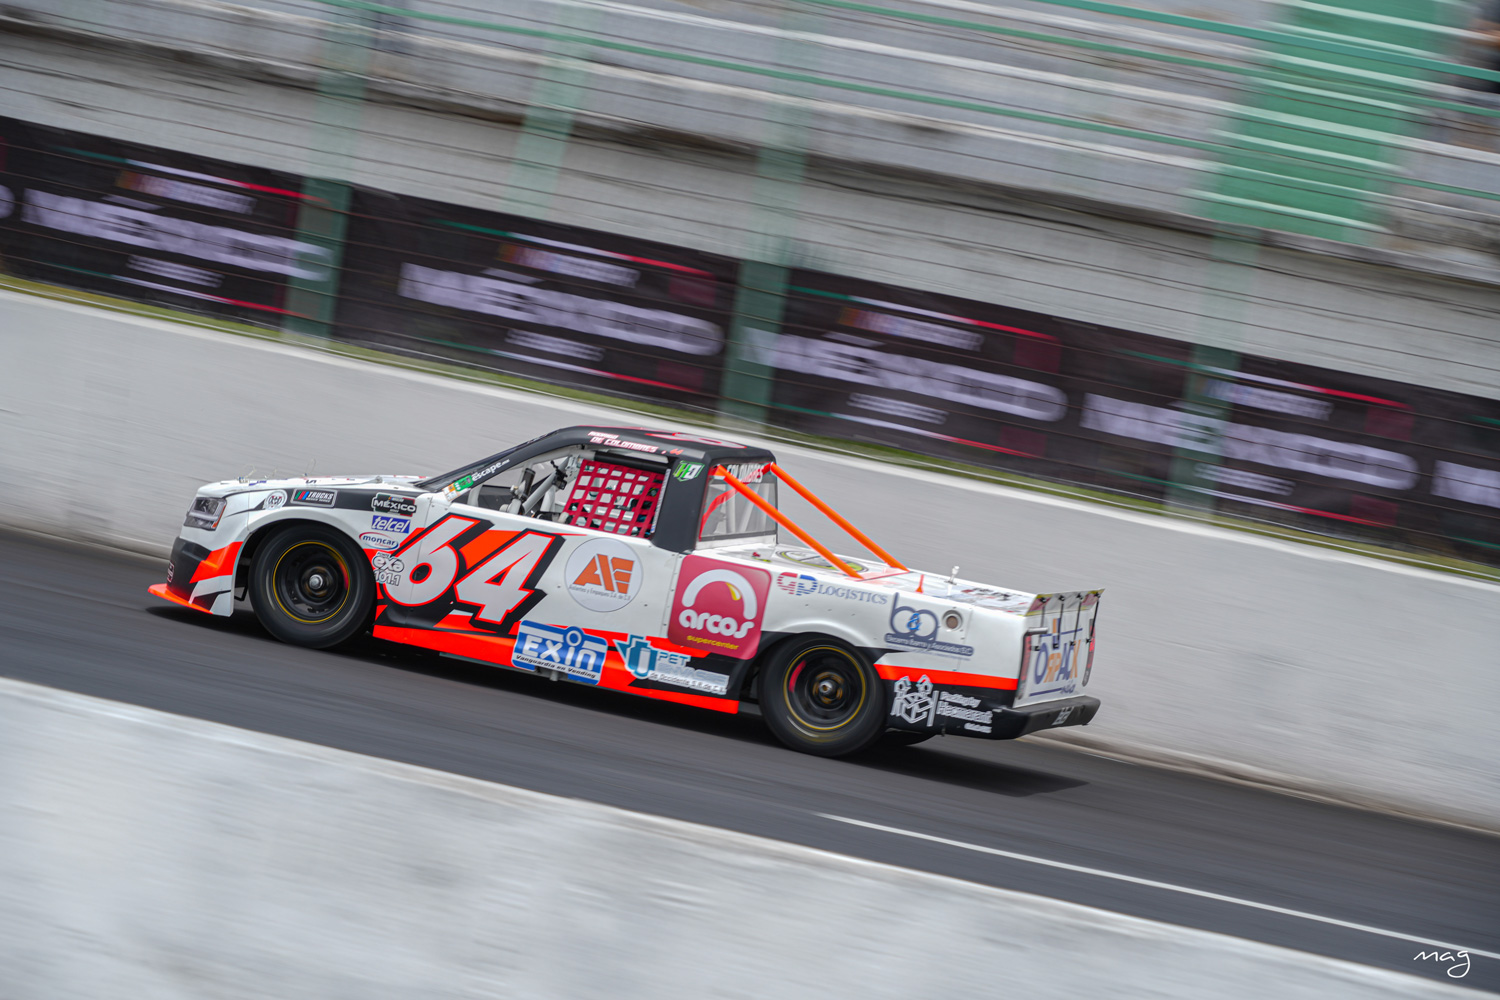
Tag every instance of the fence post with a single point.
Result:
(323, 216)
(760, 298)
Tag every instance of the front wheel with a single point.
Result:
(821, 696)
(311, 586)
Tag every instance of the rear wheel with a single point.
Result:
(311, 586)
(821, 696)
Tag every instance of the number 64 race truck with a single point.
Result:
(649, 562)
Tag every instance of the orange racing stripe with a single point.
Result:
(955, 678)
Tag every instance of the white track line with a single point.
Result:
(1349, 925)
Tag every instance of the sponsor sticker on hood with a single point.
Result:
(392, 503)
(314, 498)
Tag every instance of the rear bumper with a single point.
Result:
(1012, 722)
(919, 705)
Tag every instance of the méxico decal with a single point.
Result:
(718, 607)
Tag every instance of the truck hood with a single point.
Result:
(229, 487)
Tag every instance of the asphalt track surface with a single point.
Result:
(80, 619)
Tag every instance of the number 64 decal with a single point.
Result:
(500, 587)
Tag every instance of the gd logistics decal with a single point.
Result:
(718, 606)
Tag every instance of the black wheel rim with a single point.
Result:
(311, 582)
(825, 689)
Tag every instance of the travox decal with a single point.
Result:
(718, 606)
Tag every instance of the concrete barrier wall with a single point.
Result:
(1298, 666)
(147, 855)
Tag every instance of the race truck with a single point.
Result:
(646, 561)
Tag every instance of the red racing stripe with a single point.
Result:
(954, 678)
(497, 649)
(216, 563)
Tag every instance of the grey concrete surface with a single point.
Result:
(149, 855)
(964, 239)
(1292, 665)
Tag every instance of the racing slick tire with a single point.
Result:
(311, 586)
(892, 738)
(822, 696)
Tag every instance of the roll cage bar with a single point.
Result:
(790, 525)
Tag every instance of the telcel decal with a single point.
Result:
(314, 498)
(648, 663)
(915, 628)
(372, 540)
(805, 585)
(395, 525)
(390, 503)
(603, 574)
(569, 650)
(718, 607)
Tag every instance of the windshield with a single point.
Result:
(728, 515)
(474, 472)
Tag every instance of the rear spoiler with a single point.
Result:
(1057, 653)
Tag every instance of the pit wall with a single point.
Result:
(1295, 666)
(144, 854)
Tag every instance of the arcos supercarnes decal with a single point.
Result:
(718, 607)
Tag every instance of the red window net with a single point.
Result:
(613, 498)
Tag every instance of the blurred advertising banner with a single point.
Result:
(536, 299)
(1038, 395)
(1132, 413)
(134, 221)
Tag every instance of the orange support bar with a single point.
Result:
(784, 521)
(835, 517)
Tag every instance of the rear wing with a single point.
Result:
(1057, 652)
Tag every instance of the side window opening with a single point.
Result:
(728, 516)
(609, 495)
(579, 486)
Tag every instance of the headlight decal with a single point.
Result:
(205, 513)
